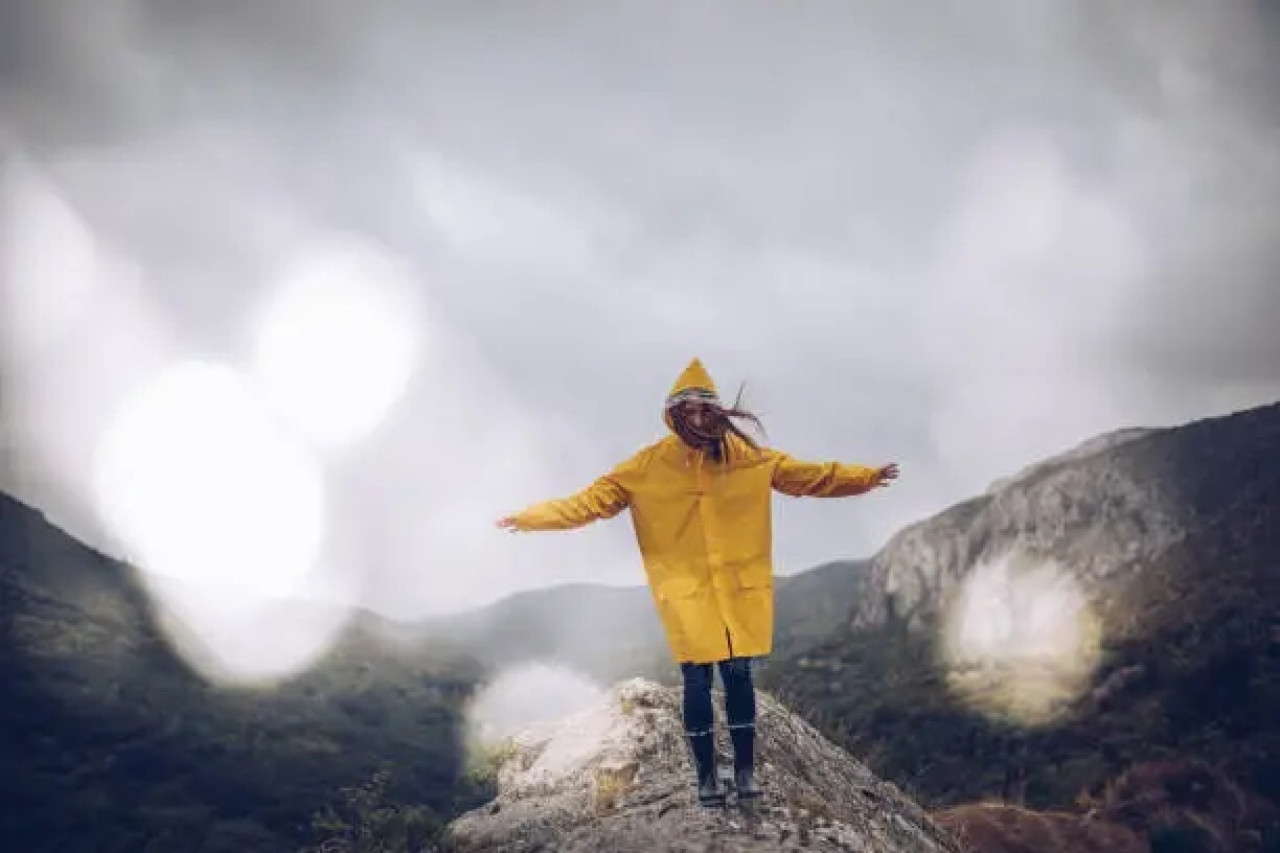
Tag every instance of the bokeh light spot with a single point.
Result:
(48, 264)
(336, 341)
(245, 640)
(199, 484)
(1021, 642)
(527, 695)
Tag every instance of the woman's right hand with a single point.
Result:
(507, 523)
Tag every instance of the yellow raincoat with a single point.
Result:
(704, 529)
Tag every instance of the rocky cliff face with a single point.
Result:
(617, 777)
(1102, 510)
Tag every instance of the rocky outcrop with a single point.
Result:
(617, 776)
(1087, 448)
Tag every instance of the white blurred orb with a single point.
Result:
(1021, 640)
(336, 341)
(48, 264)
(200, 484)
(527, 695)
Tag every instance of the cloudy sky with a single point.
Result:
(961, 237)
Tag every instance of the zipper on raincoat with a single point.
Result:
(700, 473)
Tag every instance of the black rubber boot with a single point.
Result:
(744, 762)
(703, 746)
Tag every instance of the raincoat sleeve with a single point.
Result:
(604, 498)
(802, 479)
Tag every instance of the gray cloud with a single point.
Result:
(961, 238)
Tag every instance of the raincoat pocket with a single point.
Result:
(749, 609)
(676, 588)
(689, 614)
(755, 575)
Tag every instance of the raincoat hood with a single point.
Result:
(694, 382)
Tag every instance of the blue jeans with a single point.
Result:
(699, 719)
(739, 695)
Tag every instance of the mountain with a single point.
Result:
(617, 776)
(609, 633)
(1117, 604)
(603, 632)
(109, 742)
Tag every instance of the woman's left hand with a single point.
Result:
(886, 475)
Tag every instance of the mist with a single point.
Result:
(961, 240)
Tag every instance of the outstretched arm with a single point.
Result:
(604, 498)
(801, 479)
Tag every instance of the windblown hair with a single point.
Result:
(715, 438)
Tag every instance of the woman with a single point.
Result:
(700, 503)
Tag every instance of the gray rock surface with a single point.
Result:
(618, 777)
(1099, 511)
